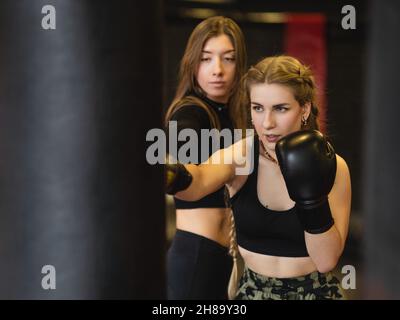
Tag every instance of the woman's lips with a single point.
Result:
(217, 84)
(271, 138)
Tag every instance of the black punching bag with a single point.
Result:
(81, 211)
(381, 207)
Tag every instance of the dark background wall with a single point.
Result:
(381, 171)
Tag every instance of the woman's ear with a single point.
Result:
(306, 110)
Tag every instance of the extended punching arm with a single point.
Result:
(177, 178)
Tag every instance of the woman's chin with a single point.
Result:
(268, 146)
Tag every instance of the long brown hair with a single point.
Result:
(209, 28)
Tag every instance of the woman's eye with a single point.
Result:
(205, 59)
(281, 109)
(230, 59)
(257, 108)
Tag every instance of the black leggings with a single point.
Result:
(197, 268)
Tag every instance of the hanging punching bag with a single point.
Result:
(81, 210)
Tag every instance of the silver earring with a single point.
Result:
(303, 121)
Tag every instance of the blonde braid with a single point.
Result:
(237, 261)
(233, 248)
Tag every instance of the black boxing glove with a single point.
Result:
(177, 178)
(308, 164)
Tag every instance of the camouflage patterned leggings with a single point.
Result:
(314, 286)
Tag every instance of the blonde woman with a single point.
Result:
(292, 211)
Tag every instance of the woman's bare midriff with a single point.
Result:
(277, 267)
(212, 223)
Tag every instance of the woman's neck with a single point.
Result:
(268, 155)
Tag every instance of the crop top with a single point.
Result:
(196, 118)
(262, 230)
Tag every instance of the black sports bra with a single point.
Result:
(262, 230)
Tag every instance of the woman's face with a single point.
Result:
(217, 67)
(275, 113)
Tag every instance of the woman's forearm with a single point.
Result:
(325, 249)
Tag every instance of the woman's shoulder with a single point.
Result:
(189, 111)
(190, 107)
(342, 173)
(243, 145)
(241, 155)
(191, 116)
(341, 164)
